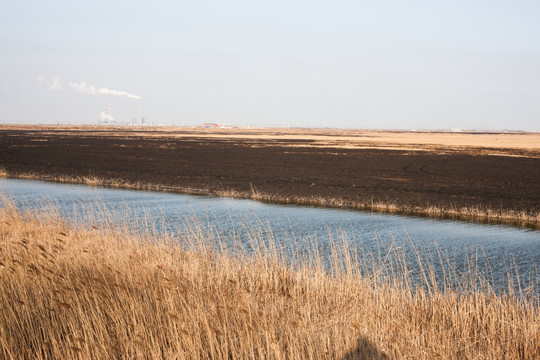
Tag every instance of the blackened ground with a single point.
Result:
(284, 168)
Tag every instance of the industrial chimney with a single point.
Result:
(140, 111)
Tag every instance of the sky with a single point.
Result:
(382, 64)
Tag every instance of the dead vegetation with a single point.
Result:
(70, 291)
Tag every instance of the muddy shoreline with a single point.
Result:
(482, 183)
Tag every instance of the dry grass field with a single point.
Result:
(72, 291)
(505, 142)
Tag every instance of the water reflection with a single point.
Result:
(379, 240)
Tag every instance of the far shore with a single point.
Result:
(487, 177)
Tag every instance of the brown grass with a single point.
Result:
(496, 143)
(77, 292)
(474, 214)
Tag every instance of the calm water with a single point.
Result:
(493, 247)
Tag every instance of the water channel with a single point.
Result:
(496, 250)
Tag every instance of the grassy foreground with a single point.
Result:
(77, 292)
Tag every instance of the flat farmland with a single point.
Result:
(481, 176)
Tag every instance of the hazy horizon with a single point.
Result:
(358, 65)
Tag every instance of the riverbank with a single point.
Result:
(478, 177)
(93, 291)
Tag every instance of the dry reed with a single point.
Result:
(78, 292)
(3, 172)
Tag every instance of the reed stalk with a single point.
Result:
(89, 291)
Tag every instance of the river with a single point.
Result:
(493, 249)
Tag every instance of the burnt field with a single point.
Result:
(366, 170)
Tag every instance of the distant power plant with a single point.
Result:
(108, 119)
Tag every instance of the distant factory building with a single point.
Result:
(216, 126)
(209, 126)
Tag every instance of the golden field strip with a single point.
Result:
(396, 139)
(73, 291)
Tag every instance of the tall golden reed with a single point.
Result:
(78, 292)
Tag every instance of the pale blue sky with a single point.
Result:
(355, 64)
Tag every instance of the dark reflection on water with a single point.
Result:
(377, 237)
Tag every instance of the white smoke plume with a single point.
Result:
(53, 84)
(105, 117)
(84, 88)
(56, 84)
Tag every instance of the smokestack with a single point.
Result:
(140, 111)
(110, 109)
